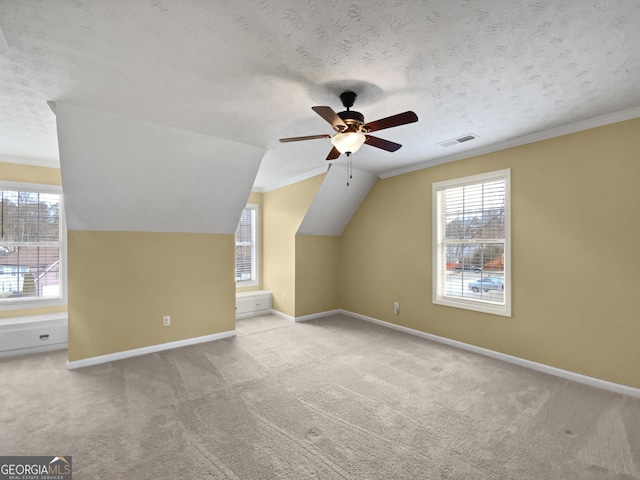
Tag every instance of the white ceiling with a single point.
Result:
(249, 71)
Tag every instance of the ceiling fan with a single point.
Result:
(351, 130)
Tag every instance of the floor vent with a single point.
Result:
(456, 141)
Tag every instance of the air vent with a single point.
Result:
(456, 141)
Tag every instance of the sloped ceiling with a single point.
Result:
(338, 198)
(122, 174)
(249, 71)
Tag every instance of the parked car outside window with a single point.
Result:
(486, 284)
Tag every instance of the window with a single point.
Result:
(31, 246)
(247, 248)
(471, 243)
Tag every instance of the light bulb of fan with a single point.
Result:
(348, 142)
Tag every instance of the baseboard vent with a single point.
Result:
(33, 334)
(252, 303)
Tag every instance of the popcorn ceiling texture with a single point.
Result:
(250, 71)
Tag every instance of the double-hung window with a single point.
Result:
(32, 266)
(247, 247)
(471, 243)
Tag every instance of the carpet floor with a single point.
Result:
(333, 398)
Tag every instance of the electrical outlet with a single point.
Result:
(396, 308)
(166, 321)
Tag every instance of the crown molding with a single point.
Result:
(516, 142)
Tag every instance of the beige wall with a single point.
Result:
(256, 199)
(122, 283)
(317, 274)
(14, 172)
(575, 221)
(284, 209)
(575, 211)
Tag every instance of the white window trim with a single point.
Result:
(24, 303)
(438, 296)
(256, 249)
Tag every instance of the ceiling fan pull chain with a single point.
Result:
(348, 159)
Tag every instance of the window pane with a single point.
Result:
(471, 226)
(244, 232)
(246, 248)
(475, 211)
(29, 245)
(479, 276)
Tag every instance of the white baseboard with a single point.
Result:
(86, 362)
(540, 367)
(283, 315)
(306, 318)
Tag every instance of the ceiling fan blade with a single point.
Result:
(333, 154)
(382, 143)
(332, 117)
(388, 122)
(298, 139)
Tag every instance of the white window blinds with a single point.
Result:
(30, 246)
(246, 247)
(471, 242)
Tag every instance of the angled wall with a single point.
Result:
(151, 212)
(336, 201)
(317, 270)
(284, 210)
(317, 241)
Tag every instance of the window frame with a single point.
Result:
(34, 302)
(254, 281)
(439, 296)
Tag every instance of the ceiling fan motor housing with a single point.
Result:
(352, 118)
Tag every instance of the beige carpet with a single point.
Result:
(335, 398)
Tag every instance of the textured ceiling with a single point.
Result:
(250, 71)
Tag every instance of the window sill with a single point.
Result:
(18, 304)
(493, 309)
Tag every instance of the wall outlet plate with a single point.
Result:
(166, 321)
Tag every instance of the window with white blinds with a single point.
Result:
(31, 245)
(471, 243)
(247, 248)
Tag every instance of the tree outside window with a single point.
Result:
(30, 246)
(471, 243)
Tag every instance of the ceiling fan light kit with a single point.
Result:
(349, 142)
(352, 131)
